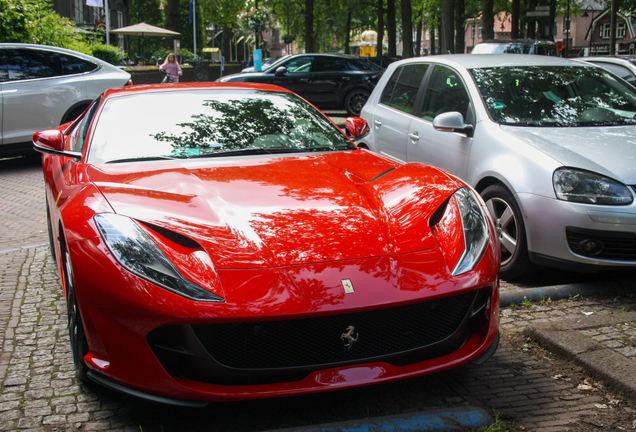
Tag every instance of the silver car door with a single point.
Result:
(445, 92)
(393, 115)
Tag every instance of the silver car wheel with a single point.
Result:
(506, 215)
(506, 225)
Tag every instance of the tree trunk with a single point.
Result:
(348, 33)
(309, 26)
(487, 20)
(432, 36)
(391, 27)
(378, 50)
(173, 17)
(447, 43)
(418, 42)
(407, 28)
(514, 31)
(460, 26)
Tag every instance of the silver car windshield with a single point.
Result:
(564, 96)
(186, 124)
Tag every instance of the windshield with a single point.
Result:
(209, 123)
(555, 96)
(502, 48)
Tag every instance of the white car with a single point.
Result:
(42, 87)
(549, 143)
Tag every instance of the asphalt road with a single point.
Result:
(531, 388)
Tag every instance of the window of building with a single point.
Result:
(620, 30)
(605, 31)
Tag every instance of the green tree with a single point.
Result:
(34, 21)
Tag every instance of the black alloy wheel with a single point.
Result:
(355, 100)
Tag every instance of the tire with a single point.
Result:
(74, 114)
(511, 231)
(50, 230)
(355, 100)
(79, 344)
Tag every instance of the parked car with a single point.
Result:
(242, 247)
(516, 46)
(622, 66)
(42, 87)
(329, 81)
(548, 142)
(265, 64)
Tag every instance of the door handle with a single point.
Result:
(303, 80)
(414, 137)
(378, 122)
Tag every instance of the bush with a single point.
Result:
(109, 53)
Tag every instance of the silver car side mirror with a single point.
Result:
(452, 122)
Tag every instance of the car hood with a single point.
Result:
(267, 212)
(606, 150)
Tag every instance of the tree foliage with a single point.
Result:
(33, 21)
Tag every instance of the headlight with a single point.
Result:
(475, 230)
(580, 186)
(138, 254)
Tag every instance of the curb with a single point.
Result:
(448, 420)
(616, 370)
(556, 292)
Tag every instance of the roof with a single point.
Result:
(471, 61)
(157, 88)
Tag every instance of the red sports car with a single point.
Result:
(227, 241)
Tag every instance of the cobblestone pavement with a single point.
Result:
(530, 387)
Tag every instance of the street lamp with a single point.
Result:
(589, 29)
(286, 5)
(324, 33)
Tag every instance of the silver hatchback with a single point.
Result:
(549, 143)
(42, 87)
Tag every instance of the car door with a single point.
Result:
(445, 92)
(296, 78)
(330, 76)
(37, 93)
(393, 115)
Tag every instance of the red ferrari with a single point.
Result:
(227, 241)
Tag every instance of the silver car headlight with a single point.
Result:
(137, 253)
(476, 233)
(581, 186)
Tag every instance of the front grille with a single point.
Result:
(287, 350)
(618, 246)
(316, 341)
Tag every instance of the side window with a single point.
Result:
(26, 64)
(387, 93)
(621, 71)
(329, 64)
(355, 64)
(445, 93)
(301, 64)
(407, 87)
(80, 136)
(74, 65)
(4, 72)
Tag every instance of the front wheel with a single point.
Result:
(506, 215)
(355, 101)
(79, 344)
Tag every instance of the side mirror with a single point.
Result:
(281, 71)
(51, 141)
(357, 127)
(452, 122)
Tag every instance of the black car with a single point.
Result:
(329, 81)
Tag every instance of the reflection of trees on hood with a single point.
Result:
(234, 124)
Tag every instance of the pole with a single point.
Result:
(567, 35)
(194, 25)
(107, 12)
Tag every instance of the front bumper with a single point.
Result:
(556, 230)
(122, 313)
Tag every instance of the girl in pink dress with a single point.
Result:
(171, 68)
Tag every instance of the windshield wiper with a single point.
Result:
(251, 151)
(143, 158)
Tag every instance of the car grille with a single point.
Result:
(248, 352)
(617, 246)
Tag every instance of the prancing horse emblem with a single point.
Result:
(348, 336)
